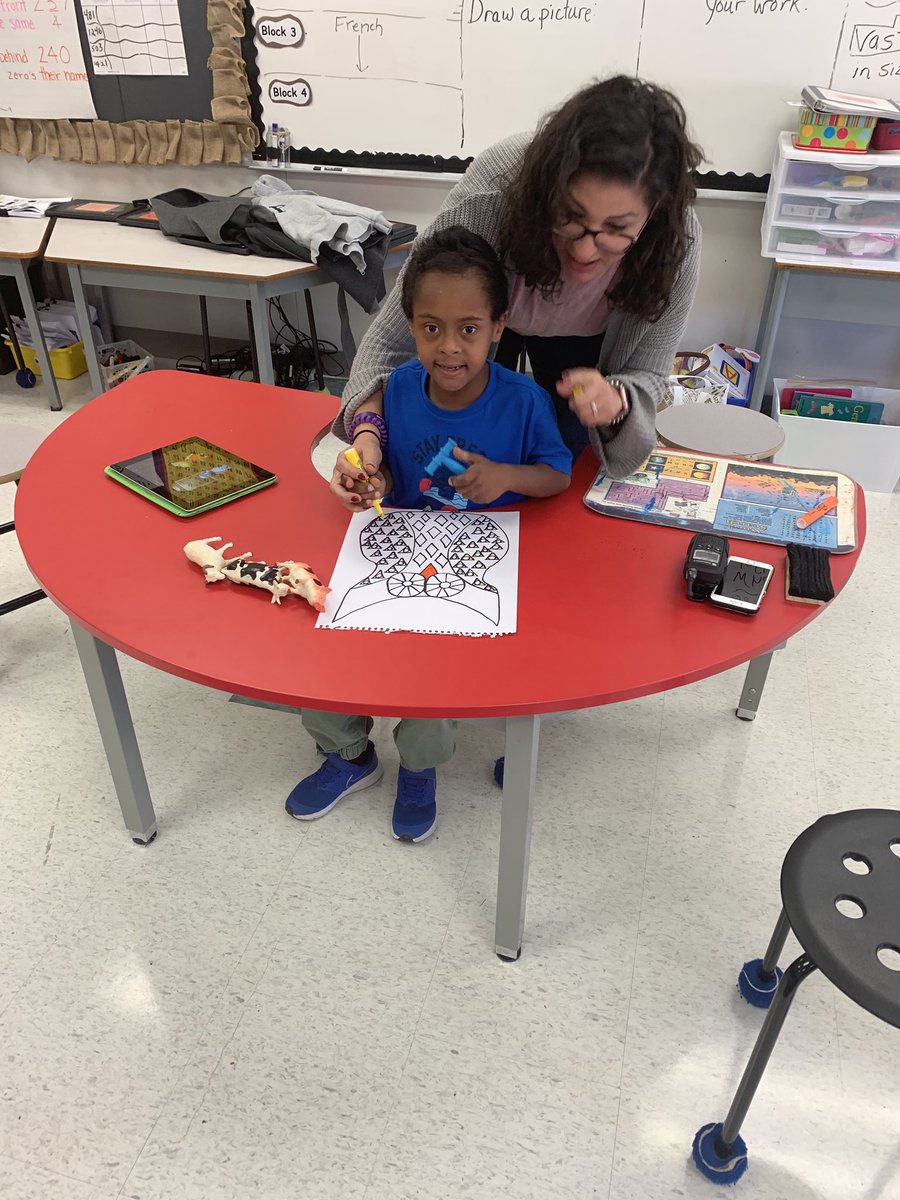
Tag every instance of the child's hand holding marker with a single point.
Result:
(482, 481)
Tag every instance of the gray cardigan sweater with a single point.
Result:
(638, 352)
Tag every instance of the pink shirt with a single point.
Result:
(579, 309)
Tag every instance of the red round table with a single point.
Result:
(602, 613)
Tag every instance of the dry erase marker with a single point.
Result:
(334, 170)
(354, 460)
(813, 515)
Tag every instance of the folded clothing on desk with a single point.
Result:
(347, 242)
(316, 221)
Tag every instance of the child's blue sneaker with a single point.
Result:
(415, 809)
(318, 793)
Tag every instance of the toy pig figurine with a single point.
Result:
(281, 579)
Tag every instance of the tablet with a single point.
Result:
(190, 476)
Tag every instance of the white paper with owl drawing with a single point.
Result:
(427, 572)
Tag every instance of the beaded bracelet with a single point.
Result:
(373, 419)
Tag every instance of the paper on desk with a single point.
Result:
(24, 206)
(427, 572)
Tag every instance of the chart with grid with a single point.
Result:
(128, 37)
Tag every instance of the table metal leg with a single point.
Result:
(754, 682)
(37, 333)
(83, 316)
(104, 683)
(204, 333)
(260, 314)
(771, 319)
(317, 353)
(522, 739)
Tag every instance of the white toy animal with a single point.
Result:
(282, 579)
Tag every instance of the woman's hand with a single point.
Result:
(591, 397)
(348, 484)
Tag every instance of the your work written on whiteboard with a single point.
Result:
(737, 63)
(42, 71)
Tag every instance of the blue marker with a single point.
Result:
(444, 458)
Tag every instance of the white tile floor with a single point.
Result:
(258, 1007)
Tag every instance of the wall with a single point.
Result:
(727, 308)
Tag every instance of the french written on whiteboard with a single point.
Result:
(42, 71)
(421, 76)
(128, 37)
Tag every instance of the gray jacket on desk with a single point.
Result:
(637, 351)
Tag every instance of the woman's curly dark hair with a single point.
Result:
(624, 130)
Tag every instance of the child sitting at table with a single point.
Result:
(455, 299)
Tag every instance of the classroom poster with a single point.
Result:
(42, 71)
(129, 37)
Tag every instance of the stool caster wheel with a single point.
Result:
(755, 987)
(721, 1164)
(143, 842)
(498, 772)
(25, 377)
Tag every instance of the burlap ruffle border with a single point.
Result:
(223, 139)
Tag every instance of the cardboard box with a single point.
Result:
(840, 133)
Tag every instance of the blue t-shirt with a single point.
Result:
(512, 421)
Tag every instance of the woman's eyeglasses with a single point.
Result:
(604, 239)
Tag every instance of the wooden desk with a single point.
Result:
(785, 268)
(110, 255)
(22, 239)
(602, 609)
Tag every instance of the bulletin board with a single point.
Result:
(190, 111)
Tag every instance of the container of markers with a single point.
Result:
(123, 360)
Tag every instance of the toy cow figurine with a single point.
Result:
(282, 579)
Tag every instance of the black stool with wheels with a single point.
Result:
(840, 887)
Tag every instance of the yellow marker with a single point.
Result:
(354, 460)
(577, 390)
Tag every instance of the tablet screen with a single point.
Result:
(193, 473)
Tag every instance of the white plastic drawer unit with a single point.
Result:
(833, 207)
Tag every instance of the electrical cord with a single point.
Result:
(293, 354)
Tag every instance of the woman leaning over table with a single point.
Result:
(593, 218)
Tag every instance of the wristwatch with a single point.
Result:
(626, 406)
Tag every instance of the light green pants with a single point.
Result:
(421, 744)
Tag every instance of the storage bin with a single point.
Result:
(824, 207)
(67, 362)
(870, 454)
(118, 372)
(886, 135)
(843, 133)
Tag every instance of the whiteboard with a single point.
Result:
(42, 71)
(449, 77)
